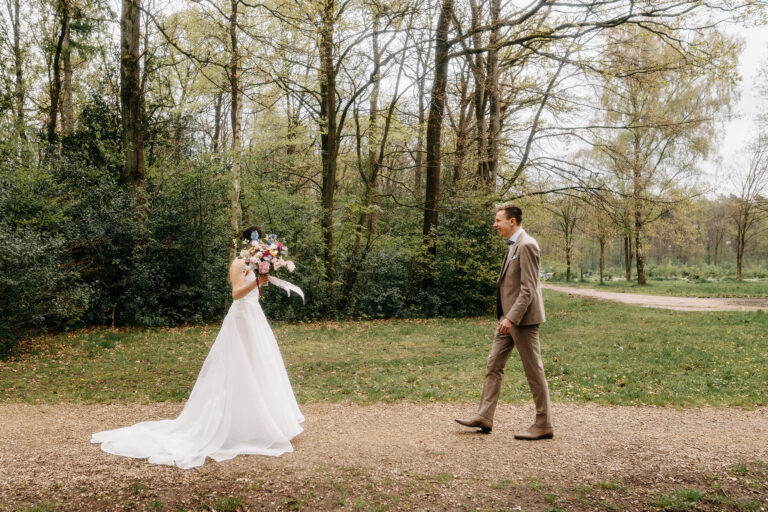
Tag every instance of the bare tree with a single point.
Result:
(715, 230)
(567, 211)
(600, 225)
(750, 205)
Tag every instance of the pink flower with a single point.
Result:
(291, 266)
(279, 262)
(264, 267)
(254, 260)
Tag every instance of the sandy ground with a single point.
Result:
(666, 302)
(405, 455)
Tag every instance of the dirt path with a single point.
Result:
(667, 302)
(396, 456)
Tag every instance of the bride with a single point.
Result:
(242, 401)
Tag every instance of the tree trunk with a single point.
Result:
(418, 175)
(236, 113)
(639, 255)
(637, 196)
(18, 90)
(462, 131)
(217, 106)
(602, 260)
(628, 257)
(478, 67)
(55, 85)
(458, 158)
(368, 218)
(292, 124)
(740, 242)
(328, 138)
(130, 93)
(494, 103)
(67, 109)
(567, 258)
(434, 127)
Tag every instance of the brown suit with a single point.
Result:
(518, 297)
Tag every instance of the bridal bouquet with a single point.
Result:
(263, 255)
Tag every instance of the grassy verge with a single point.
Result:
(679, 288)
(593, 352)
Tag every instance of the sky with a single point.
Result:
(742, 127)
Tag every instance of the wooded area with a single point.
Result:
(373, 136)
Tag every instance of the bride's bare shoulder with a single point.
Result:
(236, 268)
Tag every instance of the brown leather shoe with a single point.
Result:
(477, 421)
(533, 433)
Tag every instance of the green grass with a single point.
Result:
(679, 288)
(610, 485)
(228, 504)
(39, 507)
(679, 500)
(593, 352)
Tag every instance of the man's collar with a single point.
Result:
(517, 234)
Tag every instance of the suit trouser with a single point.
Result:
(526, 339)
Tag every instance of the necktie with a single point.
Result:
(510, 243)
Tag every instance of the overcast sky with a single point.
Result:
(742, 128)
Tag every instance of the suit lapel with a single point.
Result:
(503, 265)
(510, 256)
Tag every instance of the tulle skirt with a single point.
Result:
(242, 402)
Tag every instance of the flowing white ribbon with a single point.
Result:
(288, 287)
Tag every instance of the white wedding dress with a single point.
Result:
(242, 401)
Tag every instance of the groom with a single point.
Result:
(520, 310)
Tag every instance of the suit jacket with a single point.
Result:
(518, 289)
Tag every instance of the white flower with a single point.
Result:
(254, 242)
(243, 253)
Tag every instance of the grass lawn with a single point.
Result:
(593, 352)
(679, 288)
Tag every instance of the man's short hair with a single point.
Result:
(511, 211)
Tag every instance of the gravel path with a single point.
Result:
(45, 455)
(667, 302)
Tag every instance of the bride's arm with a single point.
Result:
(237, 277)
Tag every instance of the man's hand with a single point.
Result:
(505, 326)
(263, 279)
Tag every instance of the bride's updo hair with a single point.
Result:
(249, 231)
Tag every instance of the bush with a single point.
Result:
(38, 290)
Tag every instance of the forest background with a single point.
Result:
(375, 137)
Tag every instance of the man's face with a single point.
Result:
(504, 227)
